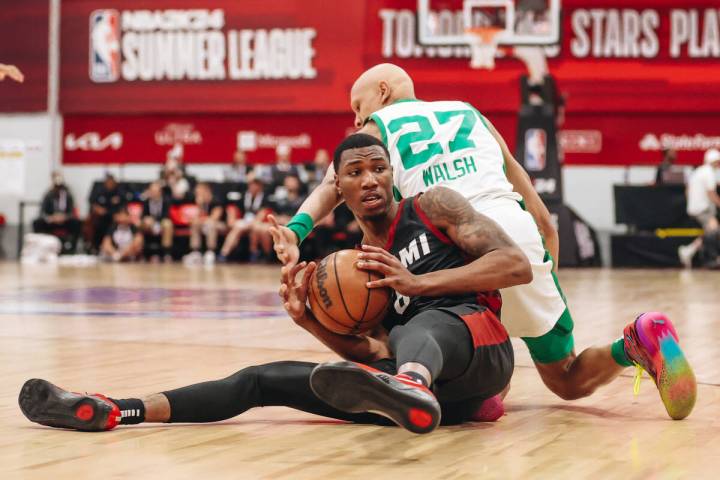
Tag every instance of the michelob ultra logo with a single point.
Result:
(166, 45)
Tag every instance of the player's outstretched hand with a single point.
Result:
(284, 243)
(294, 288)
(11, 71)
(397, 277)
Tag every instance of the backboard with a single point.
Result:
(523, 22)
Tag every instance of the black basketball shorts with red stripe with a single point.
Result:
(466, 349)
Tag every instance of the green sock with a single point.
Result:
(618, 353)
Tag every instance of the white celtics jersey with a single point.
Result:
(443, 144)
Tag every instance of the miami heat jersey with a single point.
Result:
(422, 248)
(443, 143)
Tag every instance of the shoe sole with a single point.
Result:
(44, 403)
(675, 377)
(352, 389)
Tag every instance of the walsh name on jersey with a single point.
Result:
(448, 171)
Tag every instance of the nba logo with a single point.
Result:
(104, 45)
(535, 149)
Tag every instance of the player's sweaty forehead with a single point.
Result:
(353, 156)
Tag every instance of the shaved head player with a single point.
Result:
(439, 354)
(450, 144)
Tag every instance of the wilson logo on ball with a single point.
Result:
(321, 277)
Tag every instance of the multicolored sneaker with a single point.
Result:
(46, 404)
(355, 388)
(491, 410)
(652, 343)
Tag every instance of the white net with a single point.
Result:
(483, 46)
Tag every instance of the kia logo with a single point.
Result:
(93, 141)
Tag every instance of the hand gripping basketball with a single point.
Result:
(294, 290)
(396, 276)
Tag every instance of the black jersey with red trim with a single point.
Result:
(422, 248)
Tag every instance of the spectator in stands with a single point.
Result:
(123, 241)
(104, 203)
(318, 168)
(667, 172)
(57, 214)
(248, 211)
(239, 171)
(176, 185)
(702, 204)
(209, 223)
(156, 223)
(283, 208)
(283, 167)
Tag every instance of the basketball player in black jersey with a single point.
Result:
(440, 352)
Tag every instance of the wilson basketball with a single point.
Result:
(339, 298)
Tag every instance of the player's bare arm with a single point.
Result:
(522, 184)
(498, 262)
(358, 348)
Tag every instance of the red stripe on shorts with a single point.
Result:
(485, 328)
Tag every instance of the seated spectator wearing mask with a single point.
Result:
(250, 209)
(239, 171)
(317, 170)
(57, 213)
(156, 219)
(283, 167)
(702, 204)
(209, 223)
(104, 203)
(123, 242)
(283, 208)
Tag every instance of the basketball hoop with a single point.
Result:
(483, 46)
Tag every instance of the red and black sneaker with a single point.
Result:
(46, 404)
(356, 388)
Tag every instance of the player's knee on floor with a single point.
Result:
(556, 376)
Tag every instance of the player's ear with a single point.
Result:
(384, 90)
(337, 186)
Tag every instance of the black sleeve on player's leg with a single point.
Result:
(273, 384)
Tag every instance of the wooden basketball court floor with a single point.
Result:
(128, 330)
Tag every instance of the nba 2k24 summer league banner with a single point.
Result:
(215, 56)
(24, 43)
(90, 139)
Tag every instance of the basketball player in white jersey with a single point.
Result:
(449, 143)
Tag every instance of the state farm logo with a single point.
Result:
(178, 133)
(698, 142)
(250, 140)
(93, 141)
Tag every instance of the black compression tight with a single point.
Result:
(274, 384)
(284, 384)
(437, 340)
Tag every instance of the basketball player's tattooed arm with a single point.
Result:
(359, 348)
(322, 200)
(496, 261)
(522, 184)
